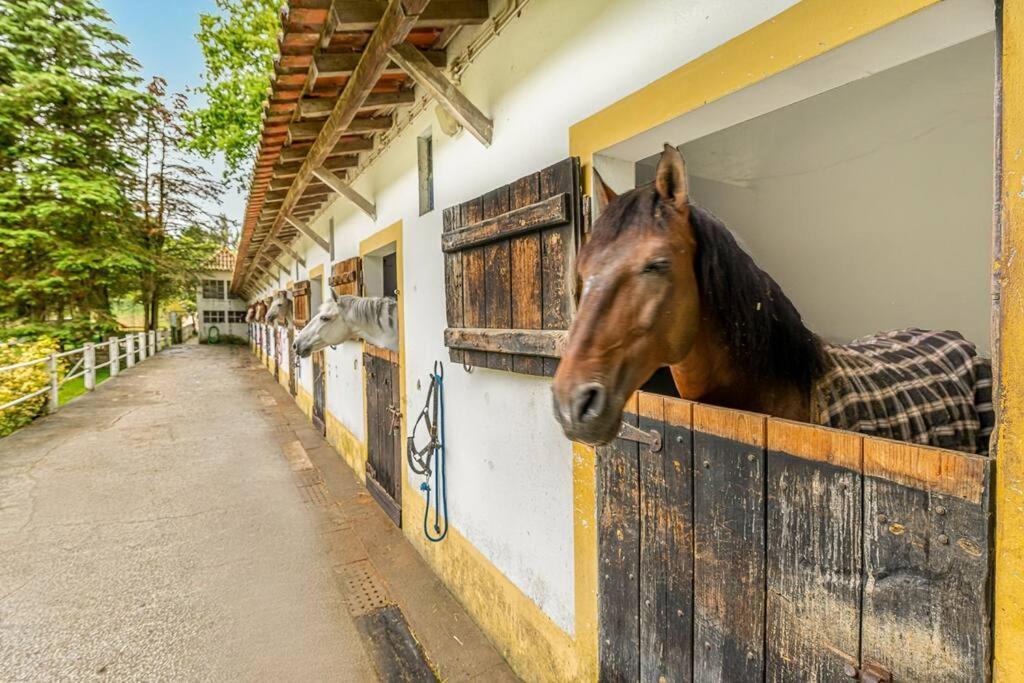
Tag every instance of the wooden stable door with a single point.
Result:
(293, 363)
(320, 392)
(277, 353)
(384, 438)
(748, 549)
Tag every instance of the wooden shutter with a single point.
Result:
(510, 271)
(301, 304)
(347, 277)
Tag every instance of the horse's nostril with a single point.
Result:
(589, 402)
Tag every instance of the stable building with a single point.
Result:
(219, 310)
(866, 154)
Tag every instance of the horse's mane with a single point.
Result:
(761, 327)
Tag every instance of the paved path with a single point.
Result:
(153, 531)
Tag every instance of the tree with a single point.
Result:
(239, 45)
(176, 232)
(69, 98)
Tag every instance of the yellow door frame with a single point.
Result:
(800, 33)
(392, 235)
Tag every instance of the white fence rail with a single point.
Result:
(137, 347)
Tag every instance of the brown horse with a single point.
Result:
(664, 283)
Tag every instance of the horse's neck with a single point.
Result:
(369, 318)
(709, 374)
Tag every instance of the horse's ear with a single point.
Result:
(603, 194)
(670, 179)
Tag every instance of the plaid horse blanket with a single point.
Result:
(919, 386)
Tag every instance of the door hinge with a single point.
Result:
(652, 438)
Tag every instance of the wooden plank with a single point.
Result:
(452, 219)
(337, 64)
(363, 15)
(666, 542)
(309, 130)
(932, 469)
(524, 254)
(396, 437)
(558, 253)
(321, 107)
(729, 541)
(618, 537)
(927, 538)
(346, 277)
(474, 293)
(426, 74)
(814, 552)
(498, 309)
(552, 211)
(346, 145)
(543, 343)
(285, 247)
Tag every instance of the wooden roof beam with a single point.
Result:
(283, 246)
(345, 190)
(308, 130)
(321, 107)
(397, 19)
(333, 163)
(345, 146)
(364, 16)
(443, 91)
(308, 232)
(335, 65)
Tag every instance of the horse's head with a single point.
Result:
(280, 308)
(250, 314)
(640, 306)
(328, 327)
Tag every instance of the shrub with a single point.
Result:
(22, 381)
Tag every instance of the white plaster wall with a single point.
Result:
(509, 466)
(870, 204)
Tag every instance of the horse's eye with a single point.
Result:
(326, 318)
(659, 267)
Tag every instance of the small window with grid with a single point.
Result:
(214, 316)
(236, 316)
(213, 289)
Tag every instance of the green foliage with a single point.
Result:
(69, 334)
(69, 99)
(239, 44)
(22, 381)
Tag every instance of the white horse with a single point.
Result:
(349, 318)
(250, 315)
(280, 310)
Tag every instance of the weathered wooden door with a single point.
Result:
(749, 549)
(319, 392)
(277, 353)
(293, 362)
(383, 422)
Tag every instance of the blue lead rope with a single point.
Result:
(434, 450)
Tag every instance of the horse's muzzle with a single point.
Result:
(586, 414)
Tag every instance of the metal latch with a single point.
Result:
(631, 433)
(396, 417)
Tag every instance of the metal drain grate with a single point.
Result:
(315, 495)
(364, 590)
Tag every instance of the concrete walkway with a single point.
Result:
(153, 531)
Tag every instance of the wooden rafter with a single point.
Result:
(364, 16)
(301, 226)
(288, 250)
(443, 91)
(346, 191)
(396, 21)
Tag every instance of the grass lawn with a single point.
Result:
(76, 387)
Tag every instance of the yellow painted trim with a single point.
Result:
(1009, 274)
(304, 400)
(393, 235)
(351, 449)
(804, 31)
(316, 272)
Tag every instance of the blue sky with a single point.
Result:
(162, 36)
